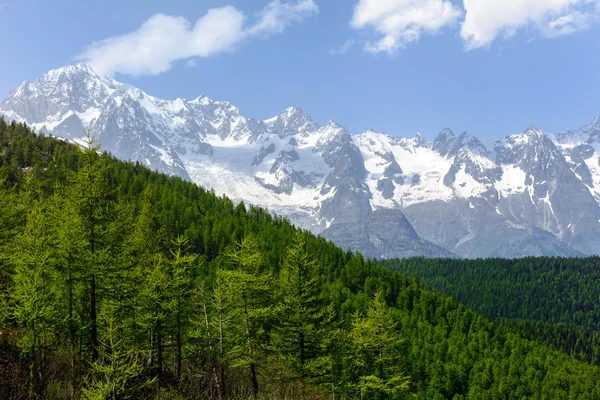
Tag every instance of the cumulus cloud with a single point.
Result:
(164, 39)
(396, 23)
(487, 20)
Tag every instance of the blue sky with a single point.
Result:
(489, 67)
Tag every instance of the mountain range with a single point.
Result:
(528, 194)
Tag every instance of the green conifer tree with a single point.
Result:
(34, 299)
(375, 352)
(249, 290)
(304, 327)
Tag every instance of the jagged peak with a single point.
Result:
(531, 134)
(293, 113)
(72, 69)
(533, 131)
(202, 100)
(419, 140)
(447, 132)
(293, 110)
(331, 124)
(80, 70)
(331, 131)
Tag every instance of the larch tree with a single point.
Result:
(249, 290)
(95, 199)
(375, 352)
(34, 299)
(305, 322)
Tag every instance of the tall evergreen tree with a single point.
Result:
(249, 289)
(34, 300)
(117, 374)
(375, 352)
(182, 284)
(305, 319)
(95, 199)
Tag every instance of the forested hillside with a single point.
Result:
(552, 299)
(120, 283)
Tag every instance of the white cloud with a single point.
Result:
(343, 48)
(400, 22)
(277, 16)
(487, 20)
(164, 39)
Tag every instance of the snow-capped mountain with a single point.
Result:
(527, 194)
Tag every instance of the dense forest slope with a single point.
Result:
(117, 282)
(553, 299)
(556, 290)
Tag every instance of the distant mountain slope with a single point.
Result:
(384, 234)
(528, 194)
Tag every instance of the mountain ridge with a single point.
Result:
(457, 192)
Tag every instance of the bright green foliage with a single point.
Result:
(180, 268)
(112, 375)
(375, 352)
(152, 309)
(248, 288)
(93, 197)
(305, 325)
(243, 304)
(34, 302)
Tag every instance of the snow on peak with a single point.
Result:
(290, 122)
(447, 132)
(419, 140)
(201, 100)
(290, 111)
(71, 70)
(534, 130)
(531, 134)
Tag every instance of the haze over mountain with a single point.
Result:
(528, 194)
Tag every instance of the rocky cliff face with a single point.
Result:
(528, 194)
(384, 234)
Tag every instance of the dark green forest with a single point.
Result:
(554, 300)
(117, 282)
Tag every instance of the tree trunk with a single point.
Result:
(73, 336)
(32, 368)
(252, 366)
(159, 349)
(212, 350)
(221, 348)
(93, 316)
(382, 395)
(178, 345)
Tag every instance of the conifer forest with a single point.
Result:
(117, 282)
